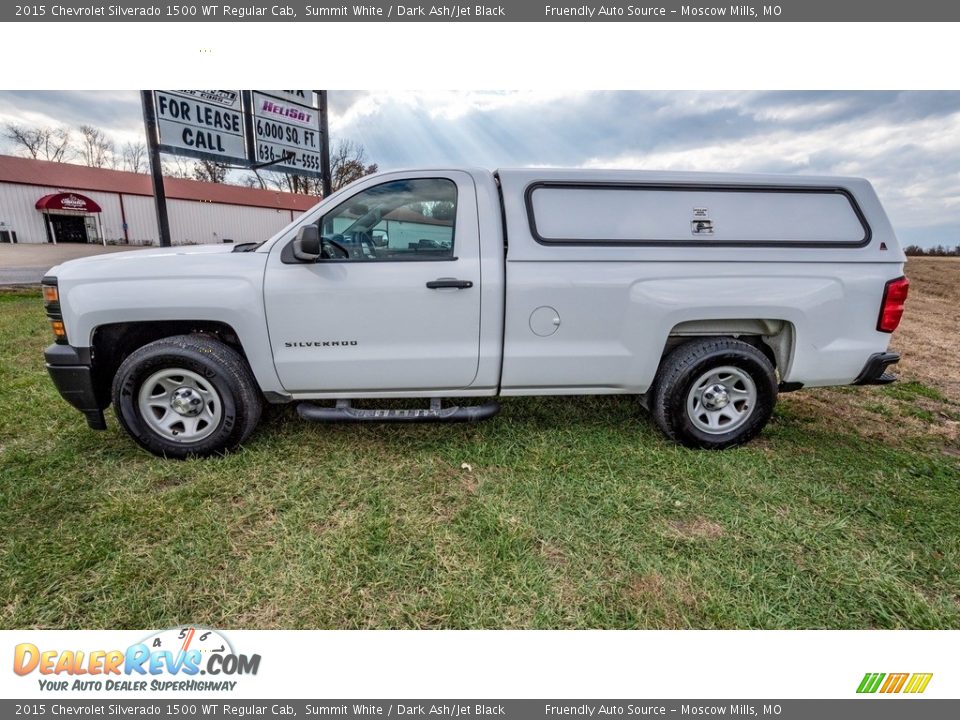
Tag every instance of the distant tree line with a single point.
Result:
(91, 146)
(86, 145)
(938, 251)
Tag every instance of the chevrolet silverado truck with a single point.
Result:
(702, 294)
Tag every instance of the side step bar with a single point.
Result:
(344, 412)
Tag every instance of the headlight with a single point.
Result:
(51, 303)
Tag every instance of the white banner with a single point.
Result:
(482, 664)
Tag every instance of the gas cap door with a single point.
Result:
(544, 321)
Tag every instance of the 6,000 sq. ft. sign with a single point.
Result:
(282, 127)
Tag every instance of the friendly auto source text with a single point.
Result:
(640, 11)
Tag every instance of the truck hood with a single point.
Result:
(117, 263)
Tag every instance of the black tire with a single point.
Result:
(687, 363)
(218, 365)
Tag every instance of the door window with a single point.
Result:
(400, 220)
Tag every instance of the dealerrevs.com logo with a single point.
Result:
(180, 659)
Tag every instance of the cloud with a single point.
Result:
(118, 113)
(913, 163)
(906, 143)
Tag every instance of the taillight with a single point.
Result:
(891, 309)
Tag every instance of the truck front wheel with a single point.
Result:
(186, 396)
(714, 393)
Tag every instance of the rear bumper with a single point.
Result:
(72, 374)
(875, 370)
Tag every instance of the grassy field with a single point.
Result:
(564, 513)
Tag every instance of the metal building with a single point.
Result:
(44, 201)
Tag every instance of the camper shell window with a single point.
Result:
(699, 215)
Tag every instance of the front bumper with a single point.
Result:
(875, 370)
(71, 370)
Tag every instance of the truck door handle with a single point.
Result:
(449, 283)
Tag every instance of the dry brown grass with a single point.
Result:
(694, 529)
(928, 340)
(663, 602)
(929, 336)
(869, 413)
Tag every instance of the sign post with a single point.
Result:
(325, 178)
(156, 170)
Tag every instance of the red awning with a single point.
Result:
(67, 201)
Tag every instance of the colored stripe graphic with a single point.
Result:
(894, 683)
(870, 682)
(918, 682)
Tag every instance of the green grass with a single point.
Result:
(576, 513)
(912, 391)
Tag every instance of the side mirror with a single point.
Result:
(306, 246)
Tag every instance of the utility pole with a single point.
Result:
(156, 169)
(325, 179)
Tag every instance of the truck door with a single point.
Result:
(393, 303)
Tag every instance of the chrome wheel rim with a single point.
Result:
(180, 405)
(721, 400)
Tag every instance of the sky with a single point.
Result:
(906, 143)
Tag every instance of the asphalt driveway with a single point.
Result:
(26, 263)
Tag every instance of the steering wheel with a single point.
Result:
(340, 248)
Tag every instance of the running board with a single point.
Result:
(344, 412)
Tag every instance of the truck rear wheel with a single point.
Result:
(186, 396)
(714, 393)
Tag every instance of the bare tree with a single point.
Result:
(134, 157)
(210, 171)
(285, 182)
(256, 180)
(41, 143)
(177, 167)
(96, 149)
(348, 162)
(302, 184)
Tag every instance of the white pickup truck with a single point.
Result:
(703, 294)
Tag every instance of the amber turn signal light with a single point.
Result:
(51, 294)
(58, 329)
